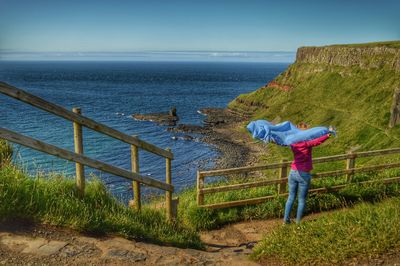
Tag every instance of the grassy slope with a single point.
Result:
(366, 229)
(53, 200)
(356, 101)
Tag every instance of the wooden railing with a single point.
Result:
(82, 160)
(283, 177)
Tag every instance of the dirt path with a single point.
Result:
(243, 235)
(25, 244)
(240, 238)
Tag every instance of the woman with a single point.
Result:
(300, 176)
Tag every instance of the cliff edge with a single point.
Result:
(365, 57)
(354, 87)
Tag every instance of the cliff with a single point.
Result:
(352, 87)
(363, 57)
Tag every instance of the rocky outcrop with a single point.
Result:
(165, 119)
(364, 57)
(216, 116)
(185, 128)
(279, 86)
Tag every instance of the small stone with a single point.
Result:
(127, 255)
(34, 245)
(51, 248)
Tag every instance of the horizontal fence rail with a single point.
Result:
(247, 169)
(266, 198)
(71, 156)
(40, 103)
(81, 160)
(282, 181)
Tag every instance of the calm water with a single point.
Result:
(109, 92)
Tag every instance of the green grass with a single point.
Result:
(391, 44)
(205, 219)
(356, 101)
(6, 152)
(365, 230)
(54, 200)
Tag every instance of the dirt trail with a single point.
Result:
(48, 245)
(24, 243)
(242, 236)
(239, 236)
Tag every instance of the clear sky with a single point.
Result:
(94, 28)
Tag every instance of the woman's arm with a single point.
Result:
(317, 141)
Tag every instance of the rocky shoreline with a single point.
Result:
(222, 130)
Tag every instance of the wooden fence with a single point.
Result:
(281, 182)
(82, 160)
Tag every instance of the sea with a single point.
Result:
(110, 92)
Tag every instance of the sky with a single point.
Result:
(251, 30)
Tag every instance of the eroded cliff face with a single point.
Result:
(363, 57)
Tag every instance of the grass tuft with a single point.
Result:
(54, 200)
(367, 229)
(6, 152)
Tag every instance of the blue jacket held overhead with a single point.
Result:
(284, 133)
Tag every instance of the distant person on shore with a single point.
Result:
(300, 176)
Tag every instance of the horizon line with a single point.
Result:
(257, 56)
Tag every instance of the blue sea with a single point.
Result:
(110, 92)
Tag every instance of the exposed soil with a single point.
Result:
(28, 244)
(23, 243)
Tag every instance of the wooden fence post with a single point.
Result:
(283, 173)
(350, 163)
(168, 194)
(200, 186)
(78, 144)
(395, 109)
(135, 184)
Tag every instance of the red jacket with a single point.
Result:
(302, 152)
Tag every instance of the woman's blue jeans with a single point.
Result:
(298, 182)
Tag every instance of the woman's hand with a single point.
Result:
(332, 131)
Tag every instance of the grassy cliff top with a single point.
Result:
(390, 44)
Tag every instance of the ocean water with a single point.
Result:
(110, 92)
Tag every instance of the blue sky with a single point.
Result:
(252, 30)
